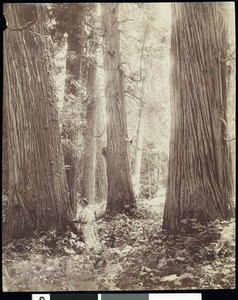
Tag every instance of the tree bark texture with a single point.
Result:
(89, 164)
(200, 176)
(101, 142)
(5, 158)
(72, 98)
(101, 167)
(120, 191)
(38, 196)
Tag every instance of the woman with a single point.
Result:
(86, 218)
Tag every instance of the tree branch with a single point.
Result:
(142, 50)
(228, 140)
(95, 64)
(134, 81)
(134, 96)
(130, 142)
(126, 20)
(223, 121)
(98, 136)
(123, 32)
(221, 60)
(26, 26)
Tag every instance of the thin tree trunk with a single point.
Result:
(199, 179)
(89, 168)
(72, 98)
(38, 196)
(158, 179)
(141, 125)
(120, 191)
(139, 149)
(159, 172)
(149, 178)
(89, 159)
(101, 168)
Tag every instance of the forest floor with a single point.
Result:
(137, 255)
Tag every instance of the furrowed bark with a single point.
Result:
(38, 195)
(73, 86)
(200, 176)
(120, 191)
(89, 165)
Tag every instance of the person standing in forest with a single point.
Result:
(86, 219)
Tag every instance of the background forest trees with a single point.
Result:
(120, 191)
(109, 104)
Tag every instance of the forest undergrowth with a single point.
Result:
(137, 255)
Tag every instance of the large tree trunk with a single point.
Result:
(38, 197)
(101, 168)
(89, 159)
(120, 192)
(101, 171)
(72, 100)
(101, 176)
(199, 179)
(89, 163)
(5, 159)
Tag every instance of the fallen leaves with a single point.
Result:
(180, 261)
(137, 254)
(172, 277)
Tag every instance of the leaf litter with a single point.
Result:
(136, 255)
